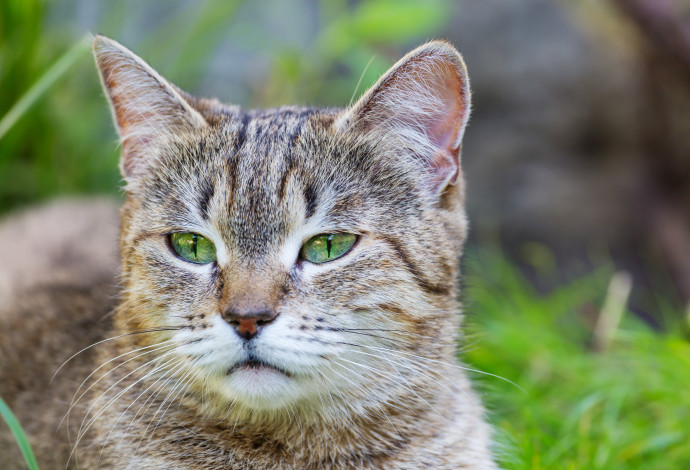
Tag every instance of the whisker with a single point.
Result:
(359, 387)
(150, 330)
(420, 368)
(444, 362)
(76, 399)
(400, 383)
(122, 392)
(128, 408)
(86, 425)
(400, 331)
(406, 366)
(375, 402)
(182, 385)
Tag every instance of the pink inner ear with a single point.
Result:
(445, 130)
(445, 169)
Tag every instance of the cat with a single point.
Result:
(287, 292)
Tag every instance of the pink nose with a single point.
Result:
(248, 324)
(247, 328)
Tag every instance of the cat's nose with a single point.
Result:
(248, 324)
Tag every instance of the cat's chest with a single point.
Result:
(183, 440)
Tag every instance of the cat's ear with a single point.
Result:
(147, 109)
(422, 104)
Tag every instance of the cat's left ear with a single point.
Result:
(422, 105)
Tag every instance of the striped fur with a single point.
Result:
(363, 349)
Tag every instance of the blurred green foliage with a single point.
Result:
(61, 144)
(623, 408)
(65, 143)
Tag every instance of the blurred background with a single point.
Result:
(577, 157)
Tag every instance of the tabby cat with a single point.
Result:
(287, 288)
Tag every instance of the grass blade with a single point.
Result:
(19, 435)
(44, 83)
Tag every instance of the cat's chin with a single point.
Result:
(260, 387)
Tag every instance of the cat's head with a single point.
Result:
(293, 258)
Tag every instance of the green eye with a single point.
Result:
(193, 248)
(327, 247)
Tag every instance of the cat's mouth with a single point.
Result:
(256, 365)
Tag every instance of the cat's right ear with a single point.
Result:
(147, 109)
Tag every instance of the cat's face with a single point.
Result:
(260, 323)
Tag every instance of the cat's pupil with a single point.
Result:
(194, 245)
(329, 242)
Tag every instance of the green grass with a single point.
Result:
(46, 81)
(19, 435)
(625, 408)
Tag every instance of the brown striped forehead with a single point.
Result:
(260, 173)
(265, 153)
